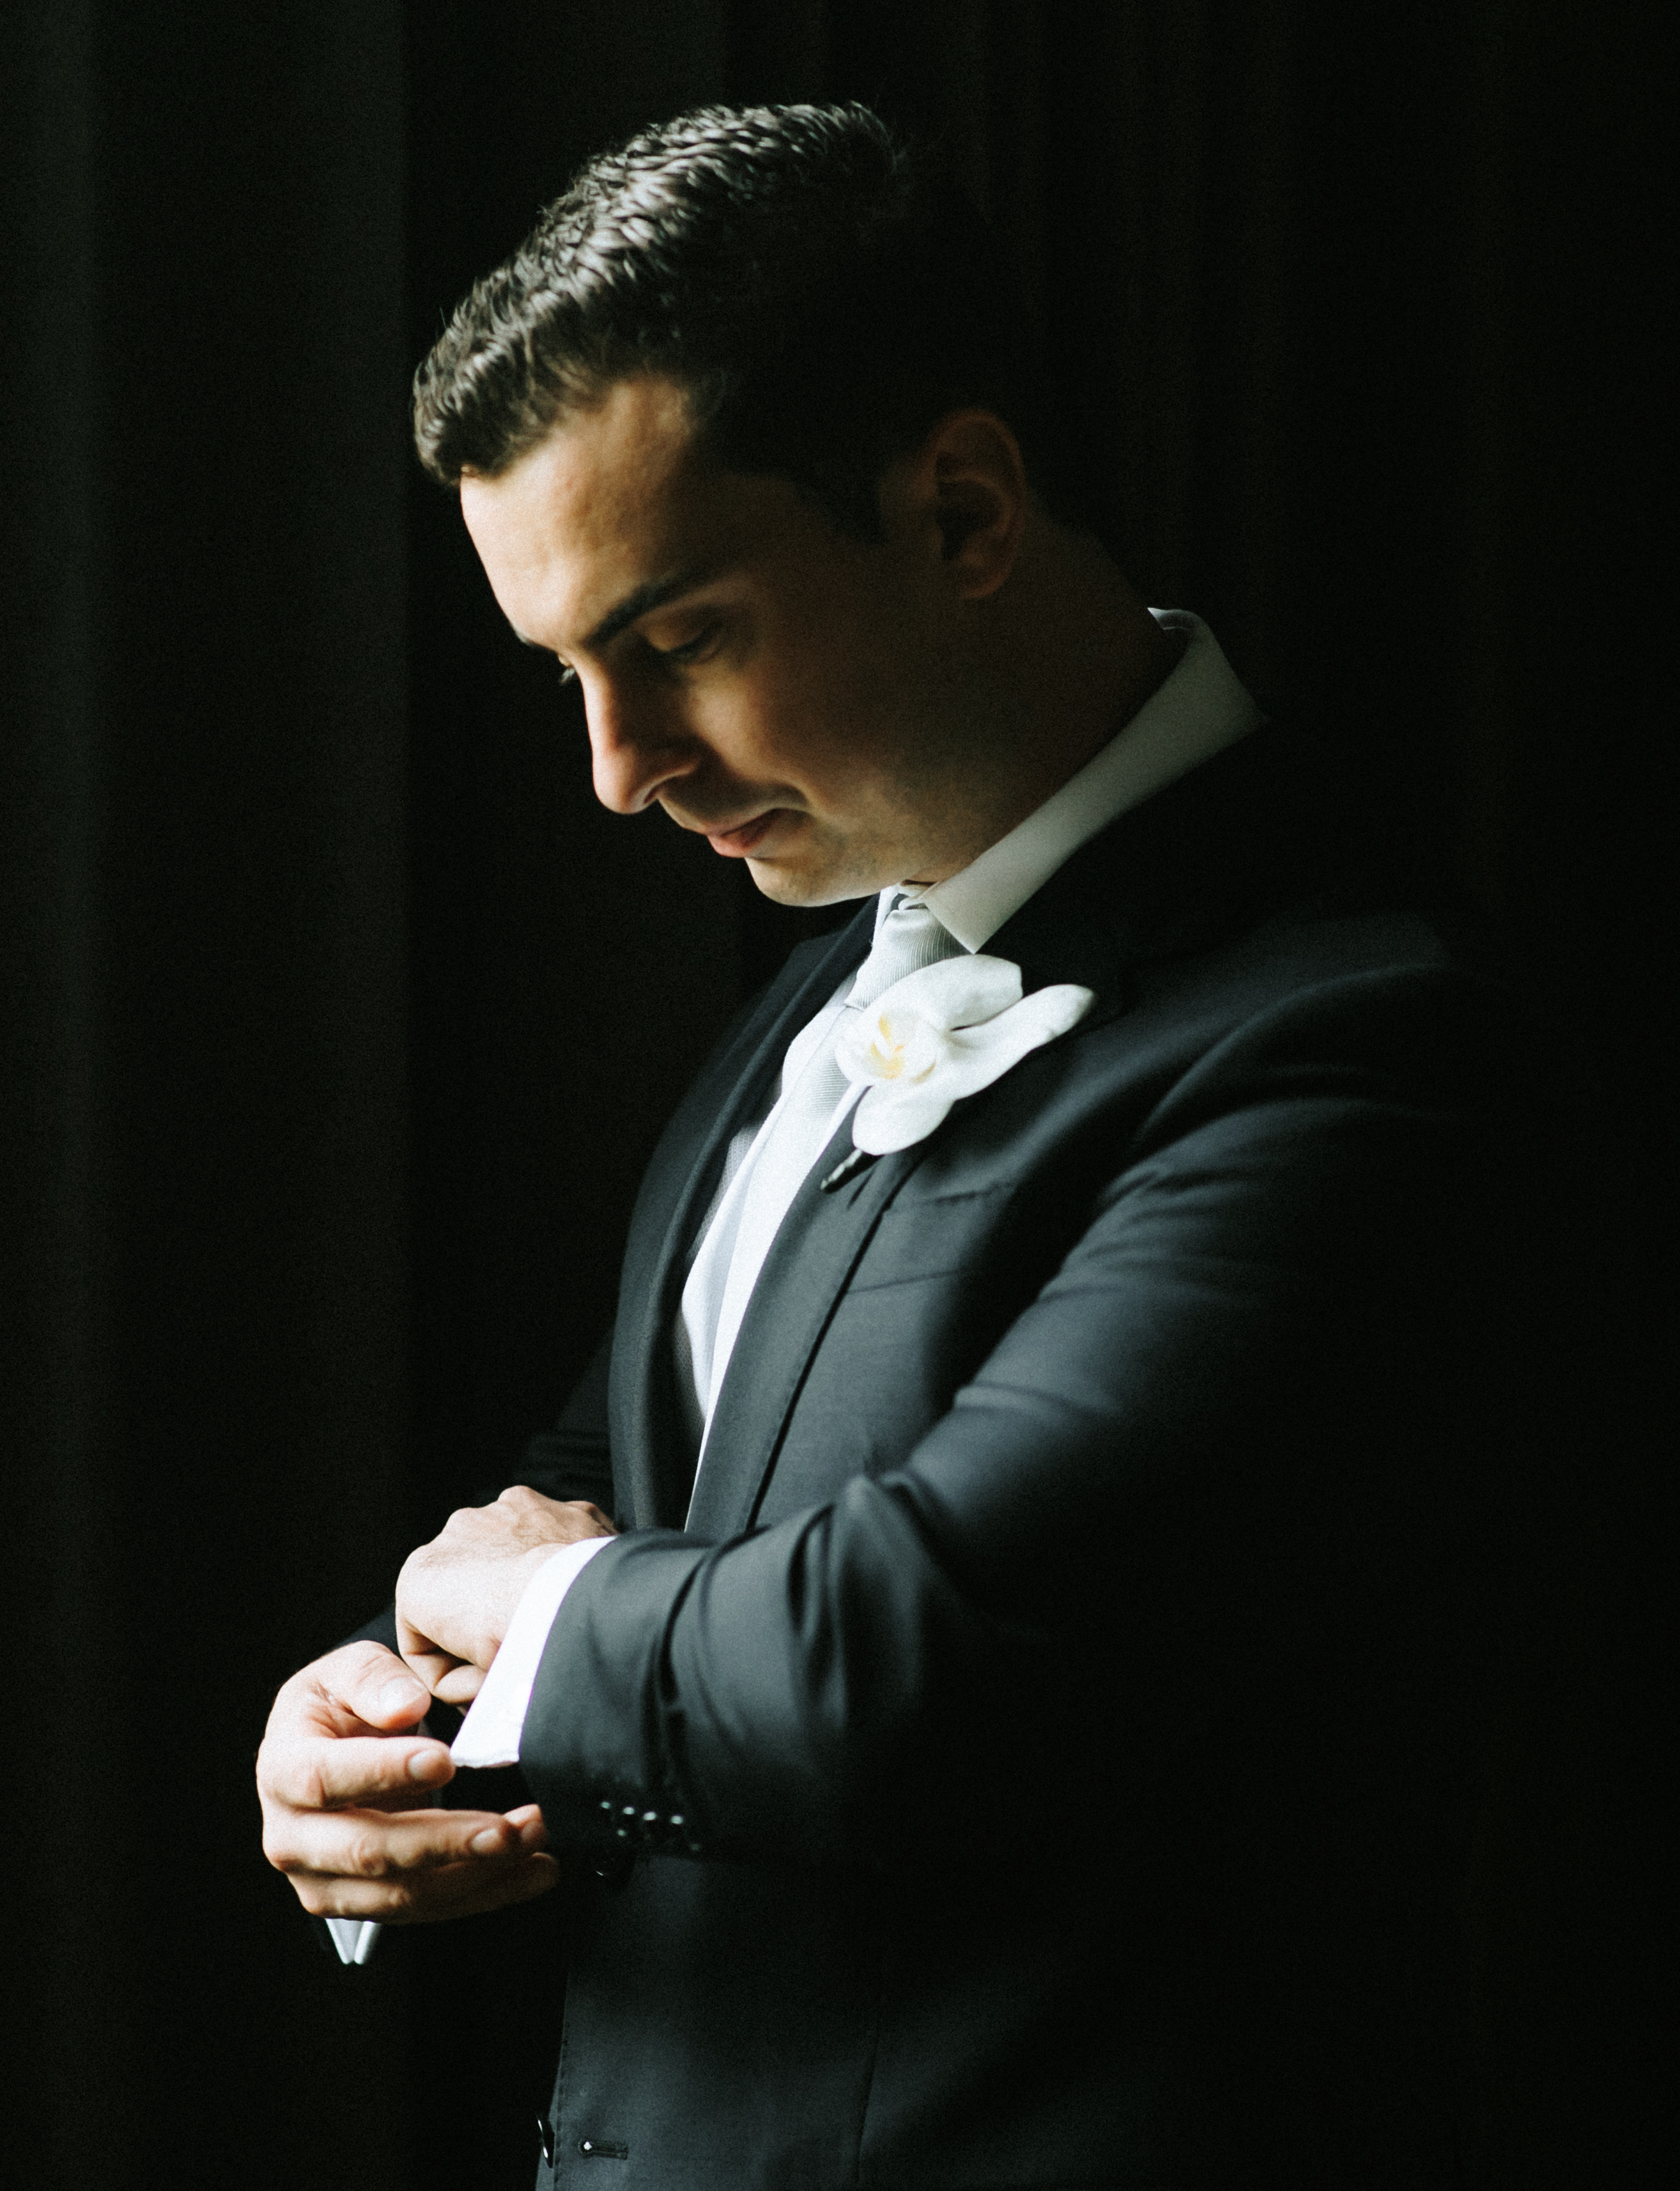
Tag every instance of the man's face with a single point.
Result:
(793, 694)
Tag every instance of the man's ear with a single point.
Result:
(966, 496)
(973, 475)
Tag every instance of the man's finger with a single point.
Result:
(425, 1660)
(374, 1684)
(461, 1685)
(320, 1774)
(427, 1898)
(452, 1680)
(362, 1686)
(523, 1499)
(360, 1844)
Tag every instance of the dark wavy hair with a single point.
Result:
(819, 288)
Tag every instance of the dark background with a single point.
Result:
(342, 1019)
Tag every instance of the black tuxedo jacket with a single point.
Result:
(1044, 1759)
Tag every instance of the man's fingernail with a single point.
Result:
(488, 1843)
(399, 1695)
(424, 1763)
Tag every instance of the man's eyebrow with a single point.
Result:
(653, 596)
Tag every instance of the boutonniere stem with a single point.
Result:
(849, 1166)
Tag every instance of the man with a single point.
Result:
(1003, 1617)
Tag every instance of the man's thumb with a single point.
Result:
(385, 1693)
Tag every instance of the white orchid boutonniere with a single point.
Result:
(943, 1033)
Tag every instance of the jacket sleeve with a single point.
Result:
(1222, 1484)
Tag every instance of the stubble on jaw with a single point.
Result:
(943, 749)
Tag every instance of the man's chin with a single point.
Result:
(793, 859)
(788, 883)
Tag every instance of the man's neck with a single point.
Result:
(1086, 651)
(1064, 656)
(1197, 711)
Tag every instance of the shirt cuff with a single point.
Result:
(490, 1733)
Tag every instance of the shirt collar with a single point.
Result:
(1197, 710)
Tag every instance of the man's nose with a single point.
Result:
(638, 748)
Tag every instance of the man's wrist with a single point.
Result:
(491, 1732)
(515, 1588)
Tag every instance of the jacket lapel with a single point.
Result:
(804, 1276)
(652, 1467)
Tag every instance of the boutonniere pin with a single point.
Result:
(943, 1033)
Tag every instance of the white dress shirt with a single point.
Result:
(1197, 711)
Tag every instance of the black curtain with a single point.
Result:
(341, 1019)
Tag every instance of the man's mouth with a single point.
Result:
(736, 844)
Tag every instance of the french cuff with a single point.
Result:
(490, 1733)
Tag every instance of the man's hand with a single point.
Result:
(456, 1595)
(346, 1795)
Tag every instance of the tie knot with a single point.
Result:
(909, 938)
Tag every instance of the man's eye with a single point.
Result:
(692, 650)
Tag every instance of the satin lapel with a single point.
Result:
(647, 1441)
